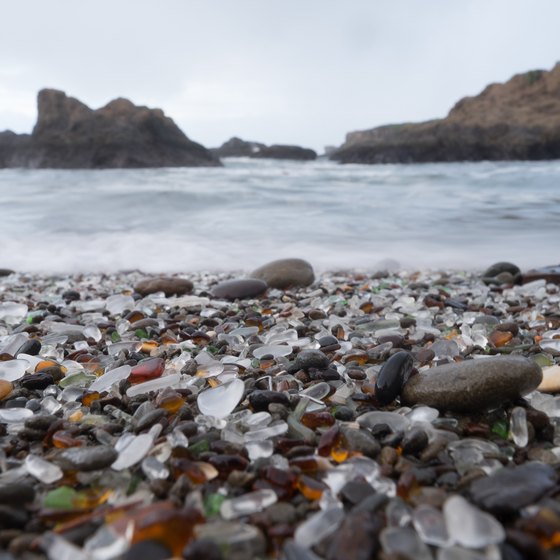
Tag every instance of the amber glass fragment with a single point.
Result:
(90, 397)
(151, 368)
(63, 439)
(316, 419)
(312, 489)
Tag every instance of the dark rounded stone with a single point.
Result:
(16, 493)
(285, 273)
(259, 400)
(360, 441)
(344, 413)
(392, 377)
(203, 549)
(147, 550)
(510, 489)
(169, 285)
(71, 295)
(473, 385)
(36, 381)
(414, 441)
(87, 458)
(41, 422)
(355, 491)
(242, 288)
(502, 273)
(6, 272)
(13, 517)
(31, 347)
(308, 359)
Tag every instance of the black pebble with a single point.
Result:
(392, 377)
(147, 550)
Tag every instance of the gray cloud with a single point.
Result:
(293, 71)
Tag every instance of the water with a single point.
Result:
(464, 215)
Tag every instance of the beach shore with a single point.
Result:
(245, 422)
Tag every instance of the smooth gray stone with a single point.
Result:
(87, 458)
(474, 384)
(510, 489)
(239, 289)
(169, 285)
(285, 273)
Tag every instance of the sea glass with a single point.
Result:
(220, 401)
(247, 504)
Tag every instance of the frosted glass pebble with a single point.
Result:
(12, 343)
(397, 422)
(154, 469)
(117, 347)
(319, 526)
(43, 470)
(318, 391)
(457, 553)
(109, 378)
(154, 384)
(257, 420)
(430, 525)
(518, 427)
(259, 449)
(13, 370)
(220, 401)
(422, 414)
(178, 439)
(118, 303)
(266, 433)
(91, 331)
(134, 452)
(275, 350)
(12, 313)
(210, 369)
(248, 503)
(9, 415)
(470, 527)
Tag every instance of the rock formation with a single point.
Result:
(517, 120)
(235, 147)
(70, 135)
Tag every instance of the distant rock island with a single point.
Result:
(518, 120)
(70, 135)
(236, 147)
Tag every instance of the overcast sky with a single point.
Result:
(292, 71)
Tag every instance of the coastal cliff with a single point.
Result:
(70, 135)
(517, 120)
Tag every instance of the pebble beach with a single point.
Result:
(280, 414)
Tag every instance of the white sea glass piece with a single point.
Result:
(430, 525)
(248, 503)
(118, 303)
(470, 527)
(275, 350)
(220, 401)
(315, 528)
(137, 448)
(518, 427)
(154, 384)
(11, 415)
(13, 370)
(43, 470)
(109, 378)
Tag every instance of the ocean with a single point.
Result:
(459, 215)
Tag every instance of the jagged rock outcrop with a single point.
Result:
(70, 135)
(235, 147)
(517, 120)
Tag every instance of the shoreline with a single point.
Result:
(279, 423)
